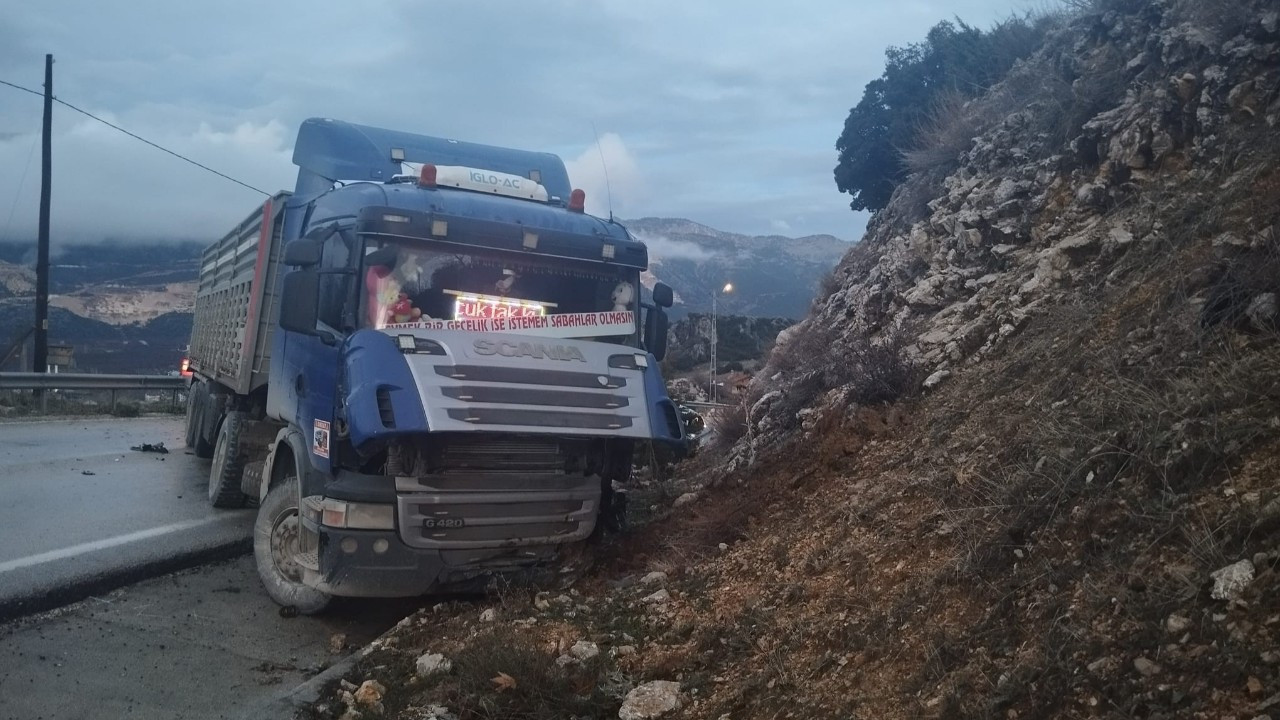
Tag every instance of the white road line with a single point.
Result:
(104, 544)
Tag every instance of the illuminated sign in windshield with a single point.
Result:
(490, 307)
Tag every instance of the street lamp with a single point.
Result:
(715, 339)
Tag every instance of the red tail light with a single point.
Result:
(186, 367)
(577, 201)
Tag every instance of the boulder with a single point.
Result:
(651, 700)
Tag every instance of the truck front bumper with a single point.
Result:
(369, 563)
(377, 563)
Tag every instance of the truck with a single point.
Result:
(427, 366)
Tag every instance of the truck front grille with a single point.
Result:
(497, 511)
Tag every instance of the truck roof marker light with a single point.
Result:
(397, 154)
(407, 343)
(427, 178)
(439, 228)
(395, 218)
(607, 251)
(530, 241)
(577, 201)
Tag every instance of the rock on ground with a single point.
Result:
(584, 650)
(433, 663)
(1230, 580)
(651, 700)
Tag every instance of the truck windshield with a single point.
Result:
(417, 285)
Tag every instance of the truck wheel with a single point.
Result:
(275, 549)
(204, 449)
(228, 464)
(192, 415)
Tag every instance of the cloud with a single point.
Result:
(662, 247)
(108, 185)
(781, 226)
(729, 118)
(607, 172)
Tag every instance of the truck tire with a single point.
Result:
(275, 549)
(203, 446)
(196, 396)
(228, 464)
(192, 414)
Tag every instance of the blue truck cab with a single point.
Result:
(427, 365)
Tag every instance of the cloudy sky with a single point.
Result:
(722, 112)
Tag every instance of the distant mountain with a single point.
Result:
(772, 275)
(125, 307)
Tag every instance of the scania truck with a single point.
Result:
(426, 365)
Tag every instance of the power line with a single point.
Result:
(139, 138)
(18, 195)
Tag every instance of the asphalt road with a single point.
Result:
(82, 513)
(199, 644)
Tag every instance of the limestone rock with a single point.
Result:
(369, 694)
(660, 596)
(584, 650)
(651, 700)
(936, 379)
(432, 664)
(1147, 667)
(1177, 624)
(1228, 582)
(489, 615)
(657, 577)
(685, 499)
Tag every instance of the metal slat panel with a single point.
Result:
(223, 300)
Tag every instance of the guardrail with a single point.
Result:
(87, 381)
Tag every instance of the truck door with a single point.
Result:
(317, 361)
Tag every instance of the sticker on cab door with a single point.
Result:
(320, 439)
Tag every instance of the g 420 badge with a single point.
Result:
(443, 523)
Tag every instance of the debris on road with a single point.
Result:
(88, 472)
(148, 447)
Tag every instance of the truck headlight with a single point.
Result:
(357, 516)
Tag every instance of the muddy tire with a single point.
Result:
(275, 549)
(203, 447)
(193, 412)
(228, 464)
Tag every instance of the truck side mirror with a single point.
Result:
(303, 252)
(655, 331)
(298, 299)
(663, 296)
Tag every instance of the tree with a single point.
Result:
(953, 58)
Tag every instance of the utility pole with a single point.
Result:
(41, 360)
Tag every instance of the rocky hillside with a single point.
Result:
(1020, 462)
(773, 276)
